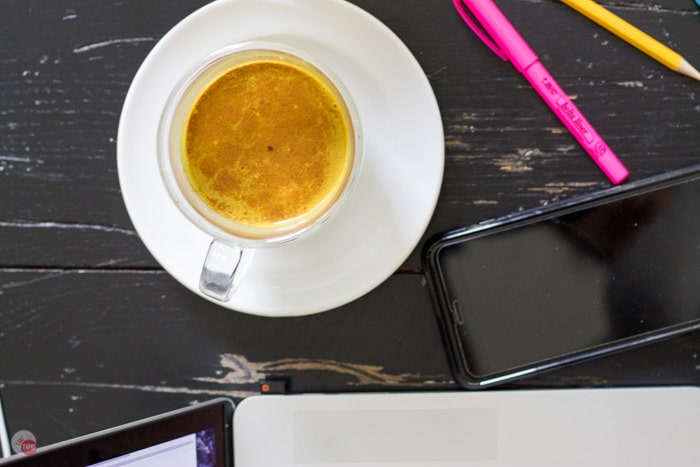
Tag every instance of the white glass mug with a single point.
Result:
(234, 242)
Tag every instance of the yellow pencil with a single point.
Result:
(634, 36)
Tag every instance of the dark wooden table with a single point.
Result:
(93, 332)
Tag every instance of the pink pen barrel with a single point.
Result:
(575, 122)
(501, 37)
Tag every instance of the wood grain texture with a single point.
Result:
(94, 333)
(160, 338)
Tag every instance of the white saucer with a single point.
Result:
(395, 196)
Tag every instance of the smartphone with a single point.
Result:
(574, 280)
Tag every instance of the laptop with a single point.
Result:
(586, 427)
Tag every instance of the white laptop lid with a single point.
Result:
(585, 427)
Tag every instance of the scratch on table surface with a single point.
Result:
(66, 225)
(517, 162)
(557, 188)
(452, 143)
(647, 6)
(630, 84)
(464, 123)
(638, 6)
(15, 158)
(47, 274)
(123, 40)
(433, 73)
(470, 117)
(34, 280)
(243, 371)
(477, 202)
(566, 149)
(135, 387)
(556, 130)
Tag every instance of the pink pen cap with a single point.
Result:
(501, 37)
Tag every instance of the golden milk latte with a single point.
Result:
(268, 144)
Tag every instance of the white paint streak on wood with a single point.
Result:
(452, 143)
(136, 387)
(243, 371)
(557, 130)
(517, 162)
(15, 159)
(124, 40)
(630, 84)
(559, 188)
(67, 226)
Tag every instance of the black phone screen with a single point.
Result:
(560, 284)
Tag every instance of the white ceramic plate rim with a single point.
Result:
(392, 204)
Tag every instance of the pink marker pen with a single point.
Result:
(501, 37)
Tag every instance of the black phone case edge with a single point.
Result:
(445, 315)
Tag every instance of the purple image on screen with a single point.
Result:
(206, 449)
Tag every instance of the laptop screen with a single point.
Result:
(198, 436)
(193, 450)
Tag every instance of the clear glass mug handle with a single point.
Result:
(223, 270)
